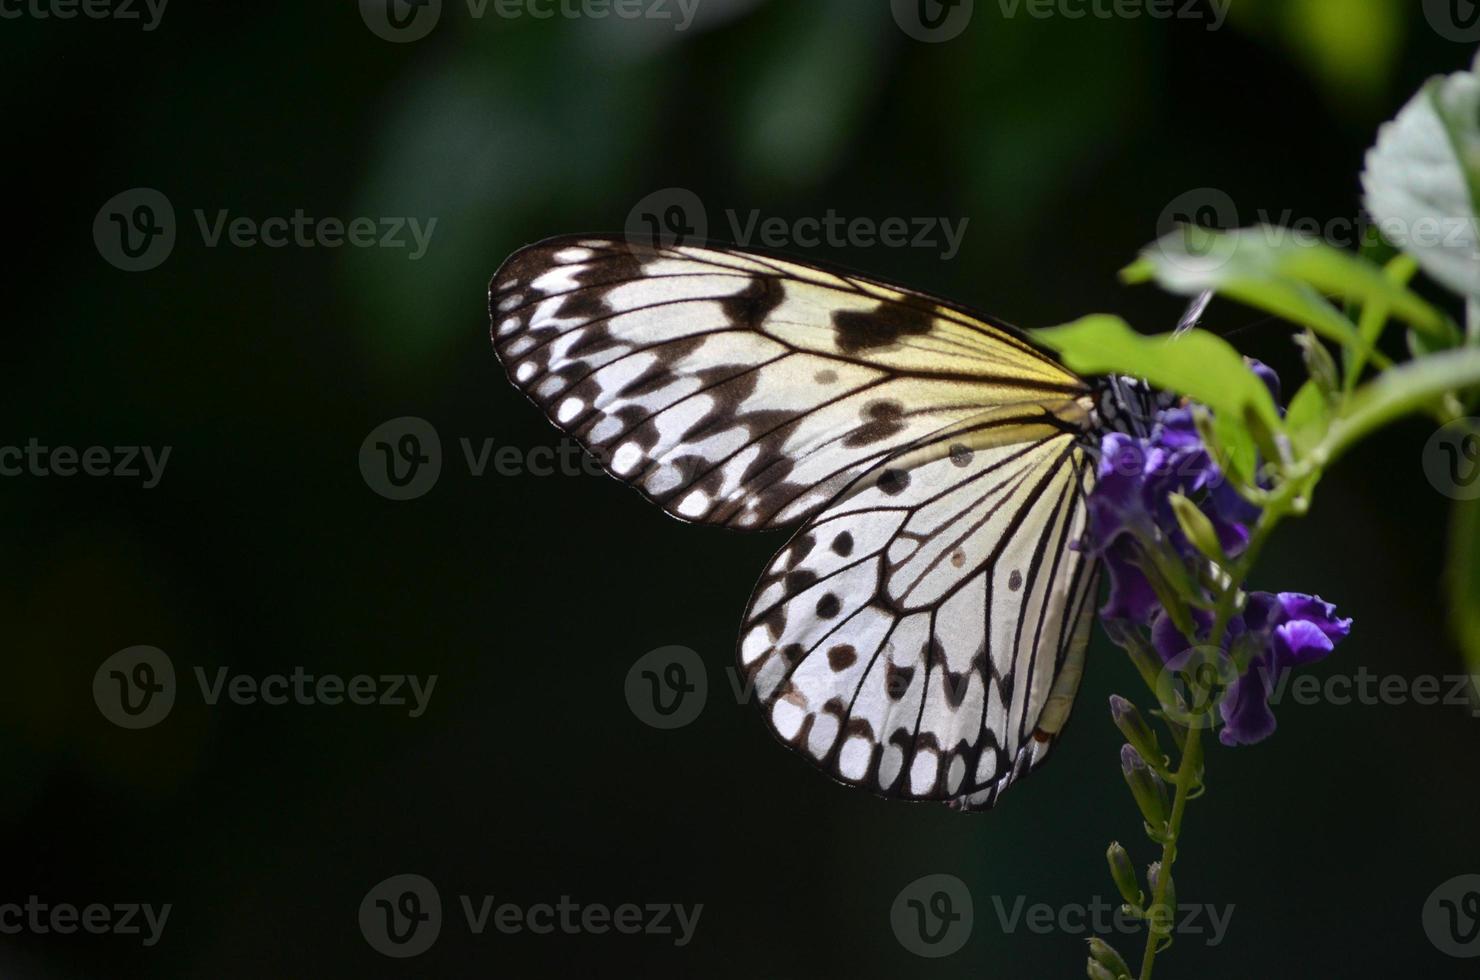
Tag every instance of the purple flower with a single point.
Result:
(1131, 520)
(1130, 510)
(1278, 632)
(1293, 630)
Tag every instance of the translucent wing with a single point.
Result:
(924, 635)
(739, 389)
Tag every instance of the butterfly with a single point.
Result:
(922, 635)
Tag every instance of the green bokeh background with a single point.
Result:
(1062, 141)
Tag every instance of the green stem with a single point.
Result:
(1187, 776)
(1186, 780)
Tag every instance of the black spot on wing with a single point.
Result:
(881, 419)
(884, 327)
(752, 305)
(893, 482)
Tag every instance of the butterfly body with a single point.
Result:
(922, 635)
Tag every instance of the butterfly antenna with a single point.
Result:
(1194, 314)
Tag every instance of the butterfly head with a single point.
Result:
(1129, 405)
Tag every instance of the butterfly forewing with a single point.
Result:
(922, 635)
(738, 389)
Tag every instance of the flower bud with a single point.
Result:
(1103, 954)
(1097, 972)
(1198, 529)
(1149, 792)
(1161, 915)
(1319, 364)
(1135, 729)
(1124, 874)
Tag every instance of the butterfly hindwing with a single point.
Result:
(739, 389)
(922, 637)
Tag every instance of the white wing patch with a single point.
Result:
(943, 670)
(737, 389)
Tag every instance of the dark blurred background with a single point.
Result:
(1064, 142)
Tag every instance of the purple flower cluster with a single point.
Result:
(1130, 515)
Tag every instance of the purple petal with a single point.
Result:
(1314, 609)
(1301, 642)
(1259, 610)
(1245, 709)
(1267, 375)
(1131, 596)
(1170, 642)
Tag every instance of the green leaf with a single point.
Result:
(1422, 180)
(1406, 388)
(1285, 273)
(1308, 416)
(1198, 364)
